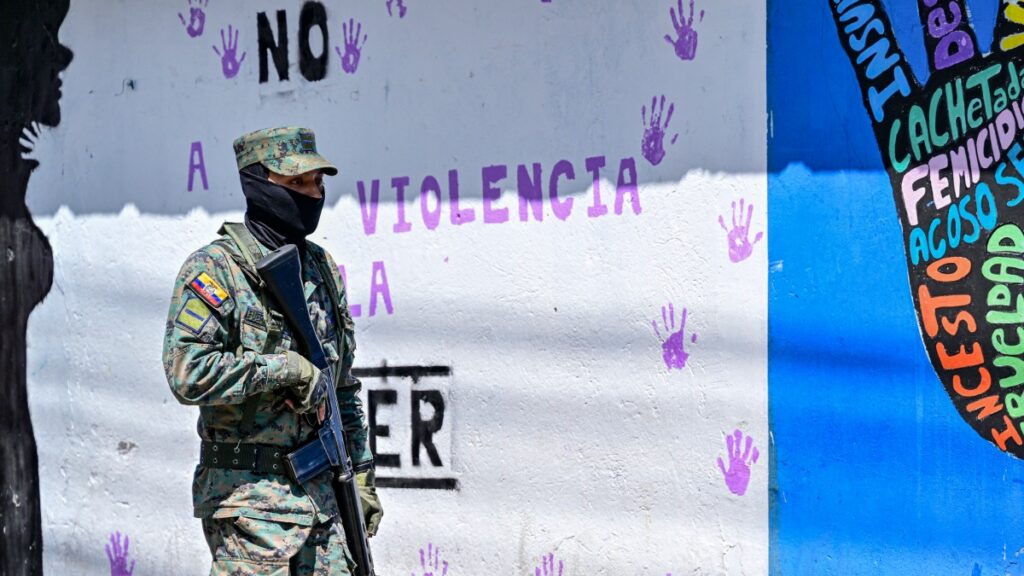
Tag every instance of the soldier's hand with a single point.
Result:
(372, 510)
(310, 392)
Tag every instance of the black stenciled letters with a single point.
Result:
(278, 49)
(313, 68)
(375, 398)
(423, 431)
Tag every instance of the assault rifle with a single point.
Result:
(281, 271)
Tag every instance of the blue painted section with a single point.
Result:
(873, 471)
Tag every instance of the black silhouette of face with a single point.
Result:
(54, 59)
(31, 60)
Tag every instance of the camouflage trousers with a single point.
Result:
(250, 547)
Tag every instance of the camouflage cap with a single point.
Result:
(290, 151)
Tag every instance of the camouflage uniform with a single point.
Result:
(228, 351)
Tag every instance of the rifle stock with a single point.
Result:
(281, 271)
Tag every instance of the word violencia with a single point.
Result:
(529, 184)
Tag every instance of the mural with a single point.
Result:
(30, 87)
(950, 147)
(507, 240)
(879, 483)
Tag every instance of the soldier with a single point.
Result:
(228, 351)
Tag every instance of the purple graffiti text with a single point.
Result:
(529, 185)
(380, 291)
(685, 43)
(196, 163)
(737, 475)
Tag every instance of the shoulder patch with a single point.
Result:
(193, 316)
(208, 289)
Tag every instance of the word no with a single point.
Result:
(312, 67)
(529, 183)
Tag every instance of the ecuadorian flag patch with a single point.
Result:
(208, 289)
(193, 316)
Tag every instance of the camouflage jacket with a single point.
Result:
(224, 346)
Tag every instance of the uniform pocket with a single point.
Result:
(254, 329)
(267, 541)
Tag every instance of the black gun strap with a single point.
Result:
(339, 331)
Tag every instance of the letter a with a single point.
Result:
(196, 162)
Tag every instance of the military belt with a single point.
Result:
(258, 458)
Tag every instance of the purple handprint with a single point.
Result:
(196, 17)
(353, 47)
(401, 8)
(674, 349)
(547, 567)
(737, 477)
(229, 61)
(740, 246)
(653, 145)
(686, 43)
(118, 556)
(429, 562)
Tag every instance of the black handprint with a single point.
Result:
(953, 153)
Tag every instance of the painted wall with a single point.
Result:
(549, 213)
(891, 456)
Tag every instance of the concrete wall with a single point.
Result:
(576, 414)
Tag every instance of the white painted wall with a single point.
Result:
(567, 431)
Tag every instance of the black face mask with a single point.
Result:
(277, 215)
